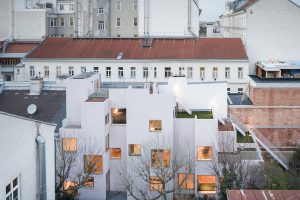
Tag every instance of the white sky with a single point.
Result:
(211, 9)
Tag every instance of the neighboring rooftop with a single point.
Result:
(132, 48)
(51, 105)
(239, 99)
(257, 79)
(84, 75)
(263, 194)
(199, 114)
(21, 47)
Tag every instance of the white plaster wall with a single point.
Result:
(5, 19)
(30, 24)
(19, 156)
(159, 64)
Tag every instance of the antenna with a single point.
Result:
(31, 109)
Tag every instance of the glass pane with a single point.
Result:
(15, 182)
(15, 194)
(8, 188)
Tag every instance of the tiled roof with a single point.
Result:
(107, 48)
(20, 47)
(263, 194)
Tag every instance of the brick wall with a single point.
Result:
(267, 116)
(275, 96)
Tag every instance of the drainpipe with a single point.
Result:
(42, 167)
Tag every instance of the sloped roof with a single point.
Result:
(110, 48)
(21, 47)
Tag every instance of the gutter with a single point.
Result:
(42, 167)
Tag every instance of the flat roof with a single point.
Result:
(135, 48)
(278, 65)
(257, 79)
(84, 75)
(263, 194)
(51, 105)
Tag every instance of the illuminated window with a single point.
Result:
(160, 158)
(68, 184)
(134, 149)
(69, 144)
(106, 142)
(155, 125)
(186, 181)
(207, 184)
(89, 182)
(155, 183)
(204, 153)
(115, 153)
(93, 164)
(118, 116)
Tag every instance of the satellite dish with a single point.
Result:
(31, 109)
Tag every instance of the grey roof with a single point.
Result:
(84, 75)
(240, 99)
(256, 79)
(51, 105)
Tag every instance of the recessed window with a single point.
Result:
(62, 22)
(155, 125)
(202, 73)
(240, 72)
(58, 70)
(155, 183)
(135, 22)
(118, 22)
(190, 72)
(118, 116)
(100, 10)
(32, 71)
(215, 73)
(89, 183)
(207, 184)
(108, 72)
(71, 22)
(186, 181)
(118, 5)
(145, 72)
(115, 153)
(132, 72)
(135, 5)
(107, 118)
(53, 22)
(160, 158)
(61, 7)
(228, 90)
(83, 69)
(93, 164)
(69, 184)
(12, 190)
(168, 72)
(46, 71)
(69, 144)
(240, 90)
(106, 142)
(71, 71)
(101, 25)
(227, 72)
(71, 7)
(155, 72)
(120, 72)
(96, 69)
(134, 149)
(205, 153)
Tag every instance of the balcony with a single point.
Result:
(195, 114)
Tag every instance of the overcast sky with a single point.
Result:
(211, 9)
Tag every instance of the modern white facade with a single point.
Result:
(267, 28)
(126, 117)
(20, 158)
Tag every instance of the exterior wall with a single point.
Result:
(275, 96)
(234, 82)
(101, 17)
(19, 155)
(267, 117)
(270, 30)
(126, 14)
(177, 22)
(6, 19)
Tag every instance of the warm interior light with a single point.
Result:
(116, 110)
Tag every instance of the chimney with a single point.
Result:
(36, 85)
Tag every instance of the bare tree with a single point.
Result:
(75, 166)
(153, 174)
(235, 169)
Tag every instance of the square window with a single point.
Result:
(206, 184)
(134, 149)
(118, 116)
(155, 125)
(69, 184)
(93, 164)
(160, 158)
(115, 153)
(69, 144)
(100, 10)
(155, 183)
(186, 181)
(204, 153)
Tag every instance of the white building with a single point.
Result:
(27, 158)
(122, 123)
(267, 28)
(141, 60)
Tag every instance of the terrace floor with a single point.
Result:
(199, 114)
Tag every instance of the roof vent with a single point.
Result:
(120, 56)
(31, 109)
(147, 42)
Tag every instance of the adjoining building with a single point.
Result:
(266, 27)
(124, 120)
(141, 60)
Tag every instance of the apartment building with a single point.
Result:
(267, 28)
(141, 60)
(126, 121)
